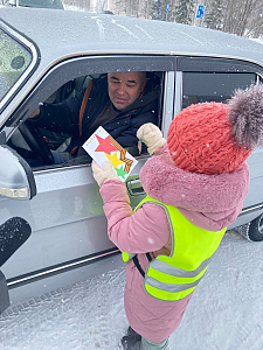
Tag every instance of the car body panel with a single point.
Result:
(253, 205)
(96, 33)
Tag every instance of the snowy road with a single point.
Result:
(225, 313)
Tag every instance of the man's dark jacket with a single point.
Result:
(64, 117)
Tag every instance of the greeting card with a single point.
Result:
(102, 147)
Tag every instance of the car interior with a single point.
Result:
(34, 143)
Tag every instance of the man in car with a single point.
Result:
(120, 102)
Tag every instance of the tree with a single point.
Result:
(214, 15)
(238, 14)
(145, 9)
(184, 11)
(241, 17)
(134, 5)
(170, 13)
(246, 8)
(254, 25)
(159, 10)
(120, 7)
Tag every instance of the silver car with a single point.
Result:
(53, 214)
(53, 4)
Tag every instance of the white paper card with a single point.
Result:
(102, 147)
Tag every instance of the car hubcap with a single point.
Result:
(260, 224)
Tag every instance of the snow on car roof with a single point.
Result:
(69, 33)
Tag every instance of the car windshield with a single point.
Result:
(54, 4)
(14, 60)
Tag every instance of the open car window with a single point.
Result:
(32, 141)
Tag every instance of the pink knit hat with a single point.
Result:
(215, 138)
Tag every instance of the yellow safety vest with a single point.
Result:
(175, 276)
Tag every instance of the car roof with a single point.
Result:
(68, 33)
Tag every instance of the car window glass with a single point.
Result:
(14, 60)
(218, 87)
(56, 4)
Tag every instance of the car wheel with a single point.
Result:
(255, 231)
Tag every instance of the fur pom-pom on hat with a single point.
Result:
(216, 138)
(246, 114)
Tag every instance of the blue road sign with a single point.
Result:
(167, 7)
(200, 11)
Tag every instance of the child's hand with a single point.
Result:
(151, 135)
(103, 174)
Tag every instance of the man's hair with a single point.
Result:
(143, 75)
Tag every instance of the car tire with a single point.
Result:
(255, 231)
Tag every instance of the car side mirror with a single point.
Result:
(16, 177)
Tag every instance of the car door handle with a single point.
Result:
(134, 187)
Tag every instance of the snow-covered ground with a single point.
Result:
(225, 313)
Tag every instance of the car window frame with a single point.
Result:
(200, 64)
(72, 68)
(31, 47)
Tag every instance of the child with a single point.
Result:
(195, 184)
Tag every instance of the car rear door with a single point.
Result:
(201, 79)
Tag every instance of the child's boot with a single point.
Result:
(132, 342)
(132, 332)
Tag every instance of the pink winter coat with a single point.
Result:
(211, 202)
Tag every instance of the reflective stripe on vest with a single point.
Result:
(127, 256)
(175, 276)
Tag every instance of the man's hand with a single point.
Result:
(34, 114)
(151, 135)
(103, 174)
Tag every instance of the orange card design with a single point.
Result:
(102, 147)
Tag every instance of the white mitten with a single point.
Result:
(103, 174)
(151, 135)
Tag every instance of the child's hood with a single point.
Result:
(209, 201)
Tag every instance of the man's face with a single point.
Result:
(125, 88)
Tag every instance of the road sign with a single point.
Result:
(200, 11)
(167, 7)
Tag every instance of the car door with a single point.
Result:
(201, 79)
(66, 215)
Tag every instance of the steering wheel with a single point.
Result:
(36, 142)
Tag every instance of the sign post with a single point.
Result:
(167, 10)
